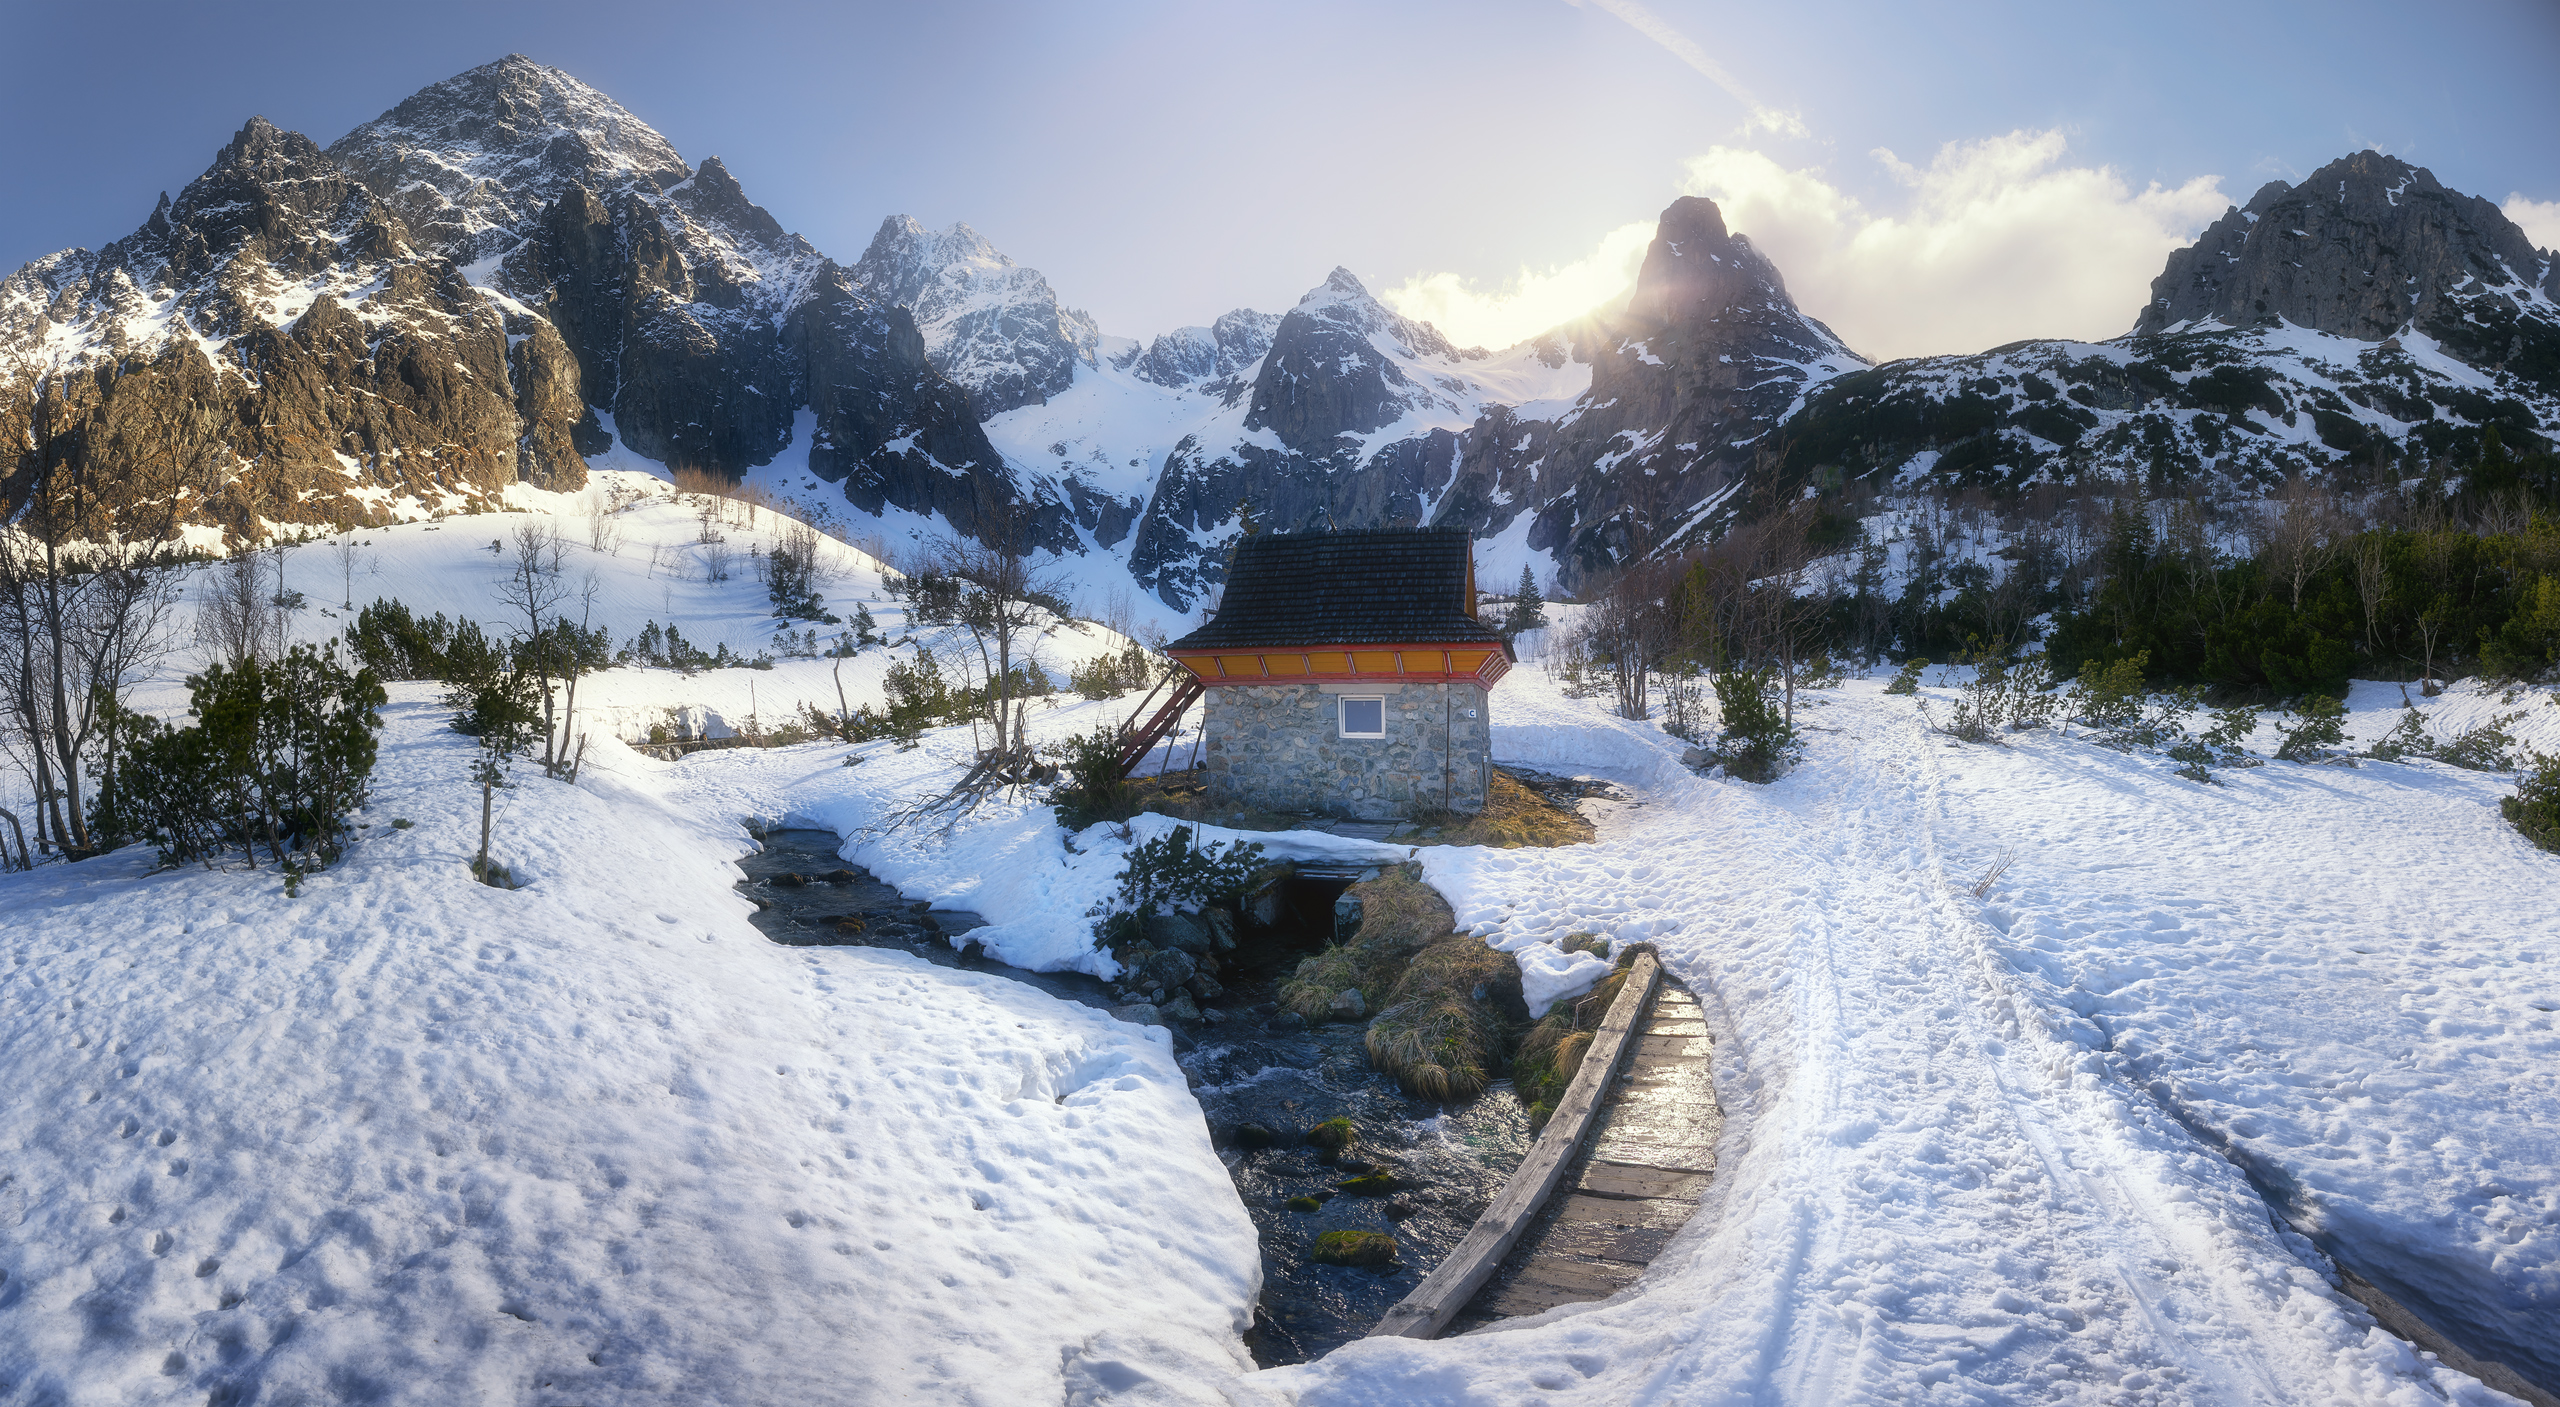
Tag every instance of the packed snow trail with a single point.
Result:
(2346, 975)
(1933, 1186)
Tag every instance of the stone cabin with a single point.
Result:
(1347, 675)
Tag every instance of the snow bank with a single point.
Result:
(407, 1139)
(1008, 861)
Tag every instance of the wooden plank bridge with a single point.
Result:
(1630, 1154)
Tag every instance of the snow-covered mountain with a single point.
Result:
(1187, 356)
(518, 274)
(2364, 321)
(711, 336)
(274, 345)
(989, 324)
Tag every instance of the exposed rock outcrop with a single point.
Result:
(275, 345)
(988, 323)
(2361, 247)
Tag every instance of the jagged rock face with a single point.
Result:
(989, 324)
(469, 163)
(695, 319)
(668, 284)
(1685, 384)
(2361, 247)
(1323, 378)
(1338, 366)
(895, 432)
(274, 342)
(1189, 356)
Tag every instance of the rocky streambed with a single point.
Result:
(1316, 1140)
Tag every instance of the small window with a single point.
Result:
(1364, 717)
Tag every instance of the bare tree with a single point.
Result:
(2373, 582)
(989, 588)
(233, 613)
(2298, 535)
(604, 535)
(346, 549)
(533, 586)
(86, 594)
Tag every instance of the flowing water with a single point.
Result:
(1263, 1078)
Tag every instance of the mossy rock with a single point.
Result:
(1334, 1135)
(1354, 1248)
(1376, 1184)
(1304, 1204)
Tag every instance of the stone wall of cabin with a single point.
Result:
(1277, 747)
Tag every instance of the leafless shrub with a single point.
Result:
(1991, 876)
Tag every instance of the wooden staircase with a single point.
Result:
(1138, 739)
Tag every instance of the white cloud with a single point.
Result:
(1529, 303)
(1999, 240)
(2540, 220)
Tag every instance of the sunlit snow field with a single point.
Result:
(408, 1139)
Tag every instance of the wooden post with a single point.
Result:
(1445, 1291)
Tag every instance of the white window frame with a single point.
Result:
(1342, 717)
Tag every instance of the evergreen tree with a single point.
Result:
(1528, 608)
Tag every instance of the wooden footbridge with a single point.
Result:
(1617, 1171)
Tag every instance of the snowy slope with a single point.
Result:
(408, 1139)
(652, 566)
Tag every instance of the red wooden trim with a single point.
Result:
(1496, 663)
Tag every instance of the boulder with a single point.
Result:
(1222, 928)
(1166, 970)
(1347, 912)
(1183, 931)
(1355, 1248)
(1347, 1005)
(1182, 1008)
(1138, 1014)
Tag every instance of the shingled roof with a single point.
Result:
(1372, 586)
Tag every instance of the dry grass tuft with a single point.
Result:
(1514, 815)
(1183, 794)
(1443, 1031)
(1399, 916)
(1552, 1054)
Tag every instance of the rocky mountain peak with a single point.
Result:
(287, 355)
(1695, 274)
(715, 194)
(1338, 366)
(1188, 356)
(2361, 247)
(990, 324)
(470, 161)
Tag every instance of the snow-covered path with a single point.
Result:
(2344, 975)
(1934, 1182)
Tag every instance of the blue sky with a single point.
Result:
(1165, 162)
